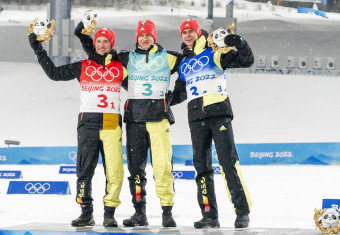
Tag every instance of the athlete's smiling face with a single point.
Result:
(102, 45)
(145, 41)
(189, 36)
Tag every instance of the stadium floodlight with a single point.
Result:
(275, 62)
(302, 63)
(12, 142)
(317, 63)
(261, 61)
(290, 62)
(331, 64)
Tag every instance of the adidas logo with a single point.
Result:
(167, 130)
(187, 25)
(223, 128)
(141, 28)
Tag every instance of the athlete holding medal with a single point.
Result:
(204, 82)
(99, 120)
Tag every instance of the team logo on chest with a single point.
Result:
(96, 74)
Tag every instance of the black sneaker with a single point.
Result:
(136, 220)
(85, 219)
(109, 220)
(167, 220)
(242, 221)
(207, 222)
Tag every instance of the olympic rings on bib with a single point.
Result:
(97, 74)
(37, 188)
(194, 65)
(153, 64)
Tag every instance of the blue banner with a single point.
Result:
(39, 187)
(189, 163)
(10, 175)
(331, 203)
(68, 170)
(249, 154)
(183, 175)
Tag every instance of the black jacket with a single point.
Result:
(69, 72)
(148, 110)
(241, 58)
(139, 110)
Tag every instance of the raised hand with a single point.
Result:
(233, 40)
(36, 45)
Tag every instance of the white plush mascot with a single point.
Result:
(330, 218)
(89, 20)
(43, 28)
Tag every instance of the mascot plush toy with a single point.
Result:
(43, 28)
(216, 39)
(327, 220)
(89, 20)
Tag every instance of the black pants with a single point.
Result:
(91, 141)
(219, 129)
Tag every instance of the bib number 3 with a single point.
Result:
(103, 102)
(148, 90)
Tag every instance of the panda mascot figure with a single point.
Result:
(43, 28)
(330, 218)
(216, 39)
(327, 220)
(89, 20)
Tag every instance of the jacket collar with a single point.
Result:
(100, 59)
(199, 46)
(152, 49)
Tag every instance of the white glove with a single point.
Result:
(40, 26)
(219, 35)
(88, 17)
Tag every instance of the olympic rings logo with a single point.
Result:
(97, 74)
(37, 188)
(153, 65)
(177, 174)
(73, 156)
(194, 65)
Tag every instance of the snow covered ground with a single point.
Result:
(283, 196)
(268, 109)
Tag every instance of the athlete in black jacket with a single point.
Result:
(203, 82)
(99, 121)
(148, 117)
